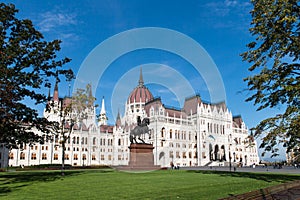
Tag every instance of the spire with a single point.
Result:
(103, 118)
(118, 121)
(141, 81)
(90, 97)
(102, 107)
(55, 95)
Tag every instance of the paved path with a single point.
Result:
(284, 169)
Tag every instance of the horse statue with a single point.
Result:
(140, 129)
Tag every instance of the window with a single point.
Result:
(83, 156)
(93, 157)
(102, 157)
(171, 154)
(66, 156)
(11, 156)
(44, 156)
(170, 133)
(75, 157)
(163, 132)
(55, 157)
(177, 154)
(94, 141)
(183, 154)
(22, 156)
(33, 156)
(109, 157)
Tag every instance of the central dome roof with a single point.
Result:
(141, 93)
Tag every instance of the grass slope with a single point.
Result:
(110, 184)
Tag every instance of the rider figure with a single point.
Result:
(139, 122)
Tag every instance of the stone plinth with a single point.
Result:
(141, 158)
(141, 155)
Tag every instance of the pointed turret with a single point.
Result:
(118, 120)
(55, 94)
(91, 98)
(141, 80)
(103, 118)
(103, 107)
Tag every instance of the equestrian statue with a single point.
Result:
(141, 128)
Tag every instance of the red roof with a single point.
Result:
(140, 94)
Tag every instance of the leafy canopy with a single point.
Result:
(27, 64)
(274, 57)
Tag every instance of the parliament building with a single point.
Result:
(198, 134)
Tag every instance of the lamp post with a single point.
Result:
(229, 158)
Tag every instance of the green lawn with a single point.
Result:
(110, 184)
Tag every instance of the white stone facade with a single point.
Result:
(198, 134)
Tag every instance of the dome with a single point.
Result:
(141, 93)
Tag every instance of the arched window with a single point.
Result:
(94, 141)
(83, 156)
(44, 156)
(22, 156)
(170, 133)
(75, 157)
(163, 132)
(55, 157)
(33, 156)
(208, 127)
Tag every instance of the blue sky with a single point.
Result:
(219, 26)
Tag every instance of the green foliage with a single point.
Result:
(274, 55)
(27, 64)
(81, 100)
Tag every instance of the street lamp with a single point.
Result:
(229, 158)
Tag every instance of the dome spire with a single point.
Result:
(141, 81)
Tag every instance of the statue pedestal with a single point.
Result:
(141, 158)
(141, 155)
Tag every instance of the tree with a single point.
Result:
(274, 56)
(74, 112)
(28, 63)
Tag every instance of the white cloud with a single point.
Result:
(59, 24)
(234, 14)
(55, 19)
